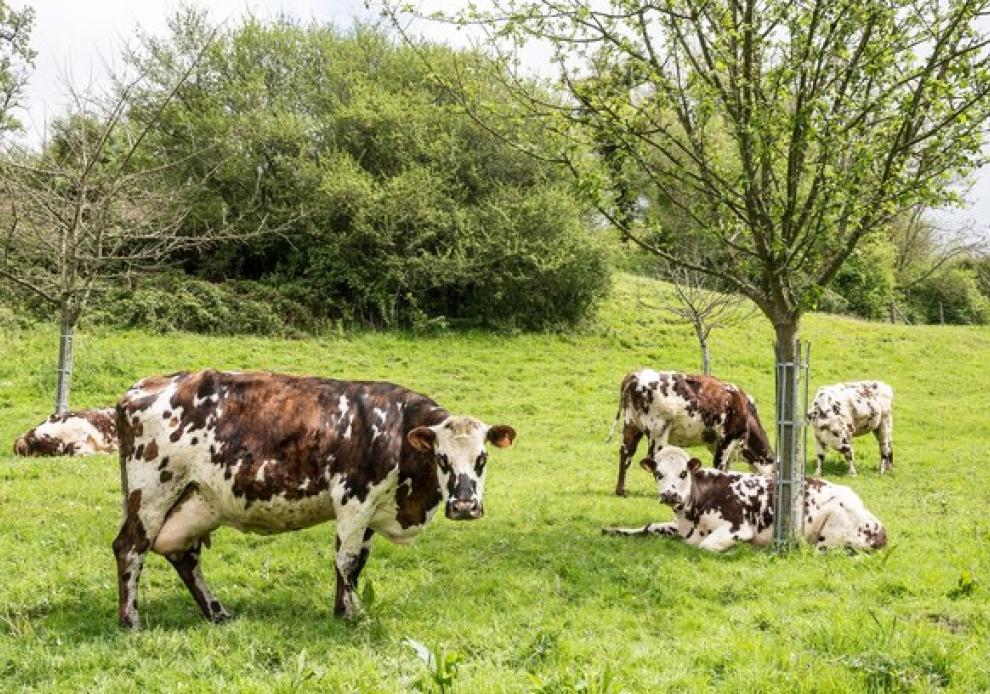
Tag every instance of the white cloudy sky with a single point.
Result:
(85, 34)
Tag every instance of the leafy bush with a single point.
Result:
(865, 283)
(954, 293)
(393, 207)
(178, 302)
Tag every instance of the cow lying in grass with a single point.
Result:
(845, 410)
(268, 453)
(84, 432)
(716, 509)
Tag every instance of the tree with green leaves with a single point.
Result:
(786, 132)
(407, 213)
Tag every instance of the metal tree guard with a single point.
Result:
(788, 499)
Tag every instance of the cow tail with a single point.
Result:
(122, 425)
(623, 395)
(615, 423)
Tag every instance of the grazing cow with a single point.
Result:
(716, 509)
(268, 453)
(844, 410)
(683, 410)
(84, 432)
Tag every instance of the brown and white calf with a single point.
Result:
(715, 509)
(269, 453)
(845, 410)
(685, 410)
(84, 432)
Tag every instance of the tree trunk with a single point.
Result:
(66, 325)
(706, 355)
(788, 505)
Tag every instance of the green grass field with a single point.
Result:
(532, 597)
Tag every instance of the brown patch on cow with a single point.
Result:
(296, 453)
(104, 420)
(151, 451)
(132, 538)
(875, 535)
(165, 476)
(712, 490)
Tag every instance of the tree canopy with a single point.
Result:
(393, 207)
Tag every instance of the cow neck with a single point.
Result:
(421, 467)
(704, 485)
(419, 491)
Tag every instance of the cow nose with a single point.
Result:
(668, 498)
(464, 509)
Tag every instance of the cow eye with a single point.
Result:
(683, 474)
(443, 462)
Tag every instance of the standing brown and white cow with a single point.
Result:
(268, 453)
(844, 410)
(685, 410)
(84, 432)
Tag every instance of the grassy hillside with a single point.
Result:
(532, 596)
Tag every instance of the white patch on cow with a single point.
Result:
(260, 475)
(350, 424)
(343, 406)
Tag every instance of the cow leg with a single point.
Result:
(353, 548)
(820, 447)
(631, 436)
(724, 452)
(723, 538)
(144, 514)
(358, 566)
(187, 528)
(846, 449)
(885, 437)
(668, 529)
(187, 565)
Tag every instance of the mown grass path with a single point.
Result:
(532, 596)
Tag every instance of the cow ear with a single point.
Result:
(501, 435)
(422, 439)
(694, 465)
(648, 464)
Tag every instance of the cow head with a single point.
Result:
(755, 445)
(21, 446)
(672, 470)
(458, 447)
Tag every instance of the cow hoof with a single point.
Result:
(222, 617)
(621, 492)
